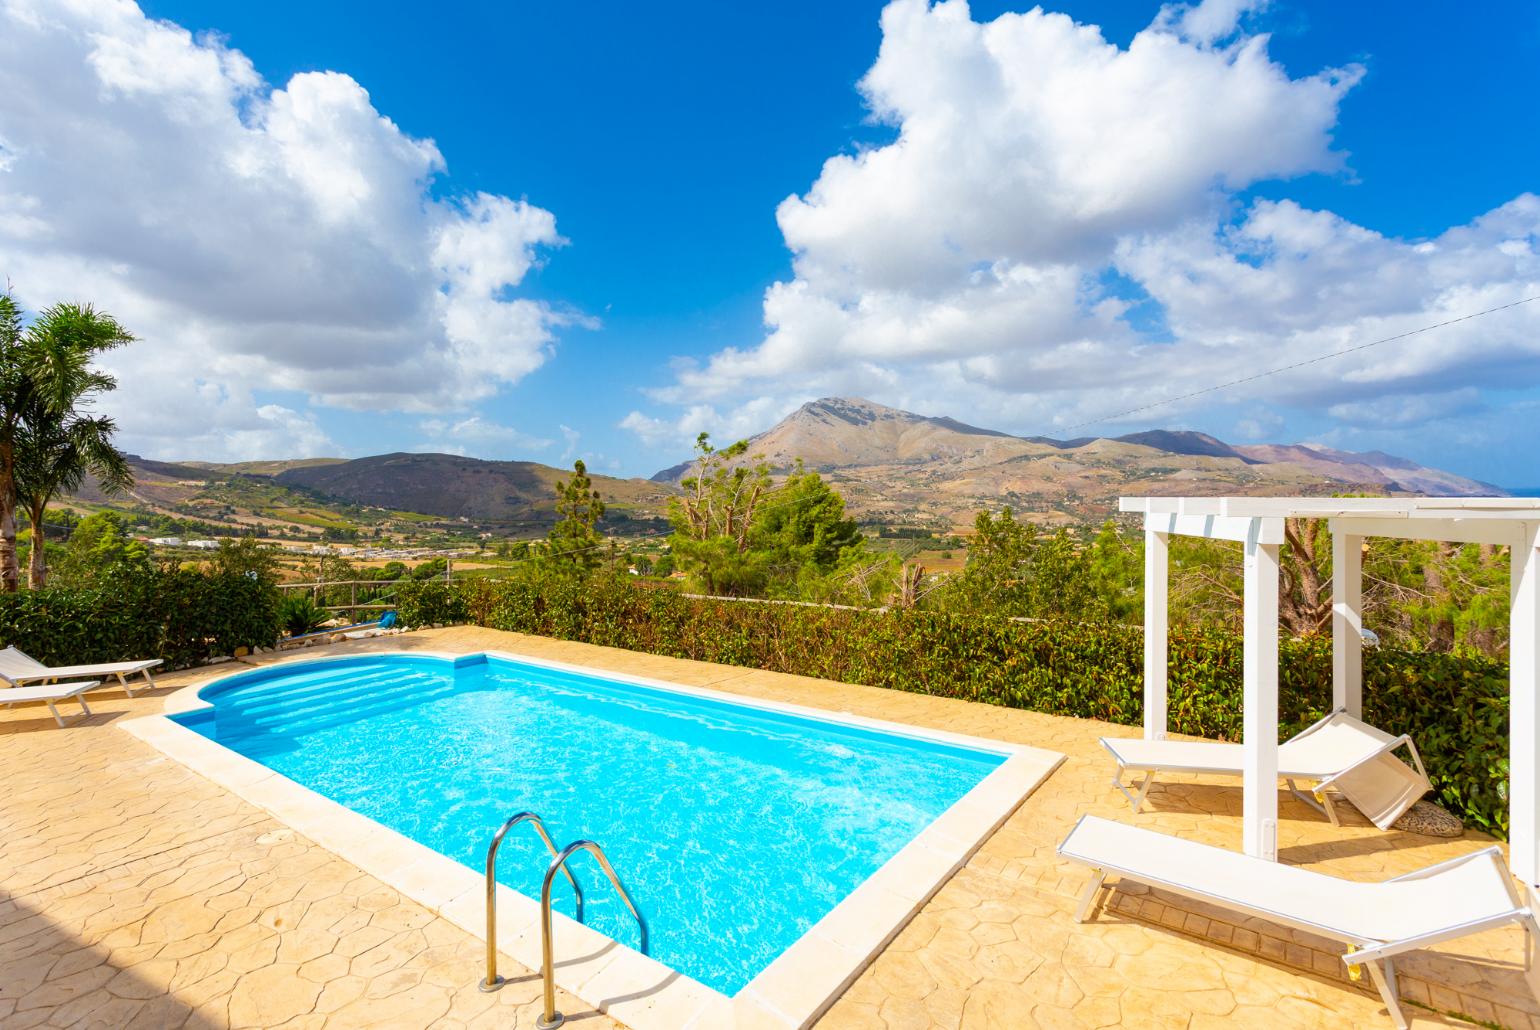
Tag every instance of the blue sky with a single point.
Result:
(662, 140)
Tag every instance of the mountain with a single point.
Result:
(261, 468)
(400, 494)
(456, 487)
(1183, 442)
(211, 494)
(898, 466)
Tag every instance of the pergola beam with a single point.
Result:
(1347, 622)
(1455, 530)
(1156, 605)
(1216, 527)
(1259, 731)
(1524, 710)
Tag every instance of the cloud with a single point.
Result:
(724, 427)
(572, 436)
(1207, 22)
(1398, 411)
(230, 425)
(1059, 230)
(253, 236)
(478, 436)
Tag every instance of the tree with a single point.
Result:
(1016, 569)
(715, 517)
(574, 542)
(803, 523)
(54, 453)
(44, 367)
(100, 550)
(246, 557)
(433, 568)
(1117, 572)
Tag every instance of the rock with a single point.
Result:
(242, 652)
(1430, 820)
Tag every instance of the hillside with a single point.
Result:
(207, 493)
(897, 466)
(452, 486)
(403, 496)
(261, 468)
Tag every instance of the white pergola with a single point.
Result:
(1257, 523)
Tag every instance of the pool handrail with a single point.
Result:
(493, 981)
(550, 1019)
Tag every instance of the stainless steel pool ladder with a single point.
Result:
(493, 981)
(549, 1018)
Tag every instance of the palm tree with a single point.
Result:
(54, 454)
(45, 370)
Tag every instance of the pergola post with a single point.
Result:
(1524, 709)
(1347, 622)
(1156, 602)
(1259, 804)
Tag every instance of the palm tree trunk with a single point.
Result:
(10, 571)
(37, 567)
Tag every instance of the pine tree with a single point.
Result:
(574, 540)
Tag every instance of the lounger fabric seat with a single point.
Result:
(1338, 753)
(49, 693)
(1377, 920)
(19, 668)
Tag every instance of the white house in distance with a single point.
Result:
(1257, 523)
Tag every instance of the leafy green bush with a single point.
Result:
(298, 614)
(431, 602)
(1455, 708)
(183, 616)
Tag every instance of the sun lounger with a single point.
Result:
(1377, 921)
(18, 668)
(1339, 753)
(48, 693)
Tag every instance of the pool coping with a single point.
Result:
(792, 991)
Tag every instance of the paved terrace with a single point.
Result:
(134, 893)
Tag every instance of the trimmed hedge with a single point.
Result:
(1455, 708)
(182, 616)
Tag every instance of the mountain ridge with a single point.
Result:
(892, 466)
(893, 463)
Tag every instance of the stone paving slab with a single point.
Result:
(135, 893)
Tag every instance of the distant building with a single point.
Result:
(166, 541)
(204, 545)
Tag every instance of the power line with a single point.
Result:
(1290, 368)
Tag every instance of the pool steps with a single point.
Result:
(320, 706)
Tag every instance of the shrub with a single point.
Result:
(1455, 708)
(182, 616)
(298, 614)
(432, 602)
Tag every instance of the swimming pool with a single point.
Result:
(736, 827)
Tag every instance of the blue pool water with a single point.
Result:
(735, 829)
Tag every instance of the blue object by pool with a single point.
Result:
(735, 828)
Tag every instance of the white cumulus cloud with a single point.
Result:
(255, 237)
(1057, 233)
(479, 435)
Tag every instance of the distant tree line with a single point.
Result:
(738, 532)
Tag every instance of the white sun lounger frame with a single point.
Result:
(1316, 797)
(20, 669)
(48, 693)
(1363, 951)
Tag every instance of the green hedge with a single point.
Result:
(182, 616)
(1455, 708)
